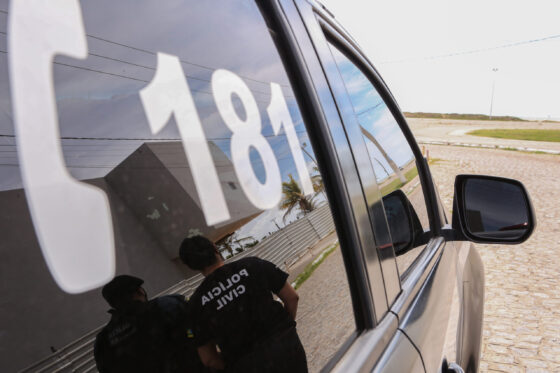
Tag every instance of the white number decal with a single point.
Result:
(169, 94)
(280, 117)
(72, 219)
(247, 134)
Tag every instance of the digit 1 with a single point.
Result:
(72, 219)
(168, 94)
(280, 117)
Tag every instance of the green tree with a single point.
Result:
(232, 244)
(317, 181)
(293, 198)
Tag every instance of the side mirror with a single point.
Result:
(490, 209)
(404, 225)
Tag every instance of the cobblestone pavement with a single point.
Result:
(522, 300)
(325, 316)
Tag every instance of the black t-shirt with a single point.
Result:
(234, 307)
(149, 337)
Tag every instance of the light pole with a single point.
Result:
(495, 69)
(309, 155)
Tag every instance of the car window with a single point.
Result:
(393, 163)
(154, 122)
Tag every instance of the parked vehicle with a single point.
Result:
(130, 125)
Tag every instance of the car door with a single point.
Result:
(185, 119)
(421, 282)
(118, 144)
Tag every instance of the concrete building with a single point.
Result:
(154, 205)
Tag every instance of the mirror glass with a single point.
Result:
(495, 209)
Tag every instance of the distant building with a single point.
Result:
(154, 205)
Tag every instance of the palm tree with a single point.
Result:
(294, 197)
(232, 244)
(317, 181)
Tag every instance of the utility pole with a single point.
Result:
(309, 155)
(494, 70)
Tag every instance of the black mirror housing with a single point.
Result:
(404, 225)
(489, 209)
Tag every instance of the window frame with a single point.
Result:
(304, 21)
(320, 113)
(425, 261)
(335, 36)
(348, 47)
(334, 41)
(323, 123)
(353, 52)
(359, 147)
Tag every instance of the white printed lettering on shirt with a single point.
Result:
(229, 297)
(217, 291)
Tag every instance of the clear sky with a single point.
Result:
(402, 37)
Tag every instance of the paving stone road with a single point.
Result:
(522, 299)
(325, 316)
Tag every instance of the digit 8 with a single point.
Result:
(246, 134)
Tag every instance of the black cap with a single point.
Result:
(119, 287)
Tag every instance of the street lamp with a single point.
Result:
(495, 69)
(309, 155)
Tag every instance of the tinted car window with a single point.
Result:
(167, 120)
(392, 160)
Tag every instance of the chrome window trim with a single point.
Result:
(368, 348)
(417, 275)
(426, 320)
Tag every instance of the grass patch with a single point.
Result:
(396, 184)
(514, 134)
(462, 116)
(393, 185)
(409, 175)
(311, 267)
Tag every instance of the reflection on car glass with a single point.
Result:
(109, 143)
(236, 322)
(393, 163)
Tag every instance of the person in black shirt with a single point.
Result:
(233, 309)
(144, 336)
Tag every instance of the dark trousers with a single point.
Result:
(281, 353)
